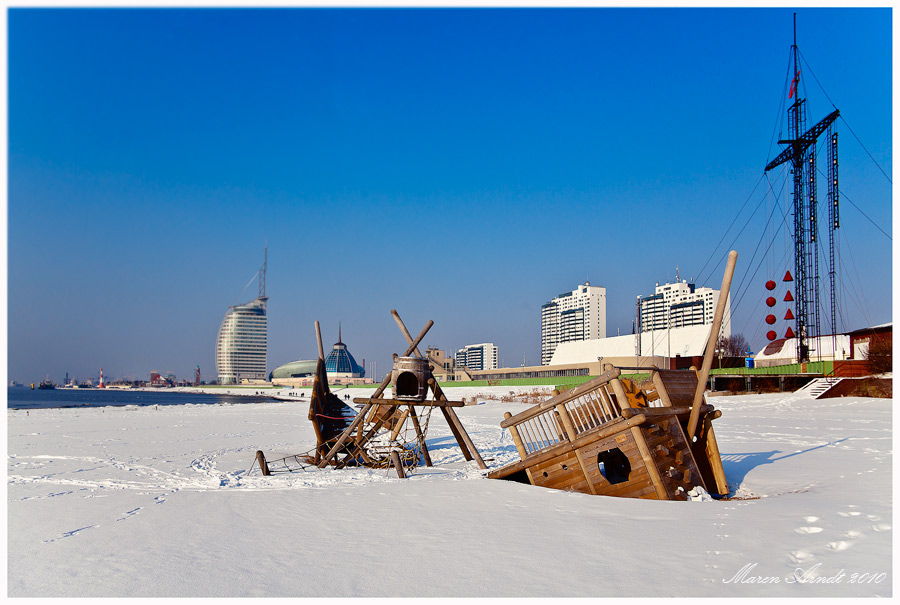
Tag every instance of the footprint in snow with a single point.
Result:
(852, 513)
(808, 530)
(130, 513)
(882, 527)
(800, 556)
(810, 519)
(69, 534)
(839, 545)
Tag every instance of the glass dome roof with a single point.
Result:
(340, 361)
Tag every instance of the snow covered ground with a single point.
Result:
(138, 501)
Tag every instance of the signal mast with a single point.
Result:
(801, 153)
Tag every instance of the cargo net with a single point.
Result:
(370, 445)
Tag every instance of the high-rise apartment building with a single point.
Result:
(242, 342)
(478, 357)
(679, 305)
(576, 315)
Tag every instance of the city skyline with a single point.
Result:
(459, 165)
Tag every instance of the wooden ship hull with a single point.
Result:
(598, 439)
(609, 438)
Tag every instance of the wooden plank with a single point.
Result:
(420, 436)
(402, 402)
(584, 471)
(672, 411)
(715, 460)
(647, 458)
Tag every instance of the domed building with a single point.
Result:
(295, 369)
(340, 367)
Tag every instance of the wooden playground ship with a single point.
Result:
(387, 431)
(608, 437)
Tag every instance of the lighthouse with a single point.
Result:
(101, 385)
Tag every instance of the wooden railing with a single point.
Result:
(567, 415)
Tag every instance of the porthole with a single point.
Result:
(614, 465)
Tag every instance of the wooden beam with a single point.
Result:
(715, 459)
(395, 459)
(711, 345)
(319, 341)
(660, 387)
(401, 402)
(649, 463)
(420, 435)
(344, 436)
(452, 417)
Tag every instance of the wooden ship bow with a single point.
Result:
(608, 437)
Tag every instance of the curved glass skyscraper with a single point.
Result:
(242, 343)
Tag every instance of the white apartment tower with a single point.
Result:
(576, 315)
(478, 357)
(681, 304)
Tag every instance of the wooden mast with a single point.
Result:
(711, 345)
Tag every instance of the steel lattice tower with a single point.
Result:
(800, 152)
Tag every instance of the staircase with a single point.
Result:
(816, 387)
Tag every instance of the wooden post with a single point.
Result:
(395, 459)
(566, 421)
(517, 439)
(263, 465)
(419, 435)
(711, 345)
(649, 463)
(715, 459)
(439, 394)
(319, 341)
(660, 387)
(397, 428)
(619, 392)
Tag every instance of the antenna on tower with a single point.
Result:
(262, 274)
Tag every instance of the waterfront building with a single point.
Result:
(573, 316)
(477, 357)
(242, 342)
(302, 368)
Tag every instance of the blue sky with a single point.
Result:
(464, 166)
